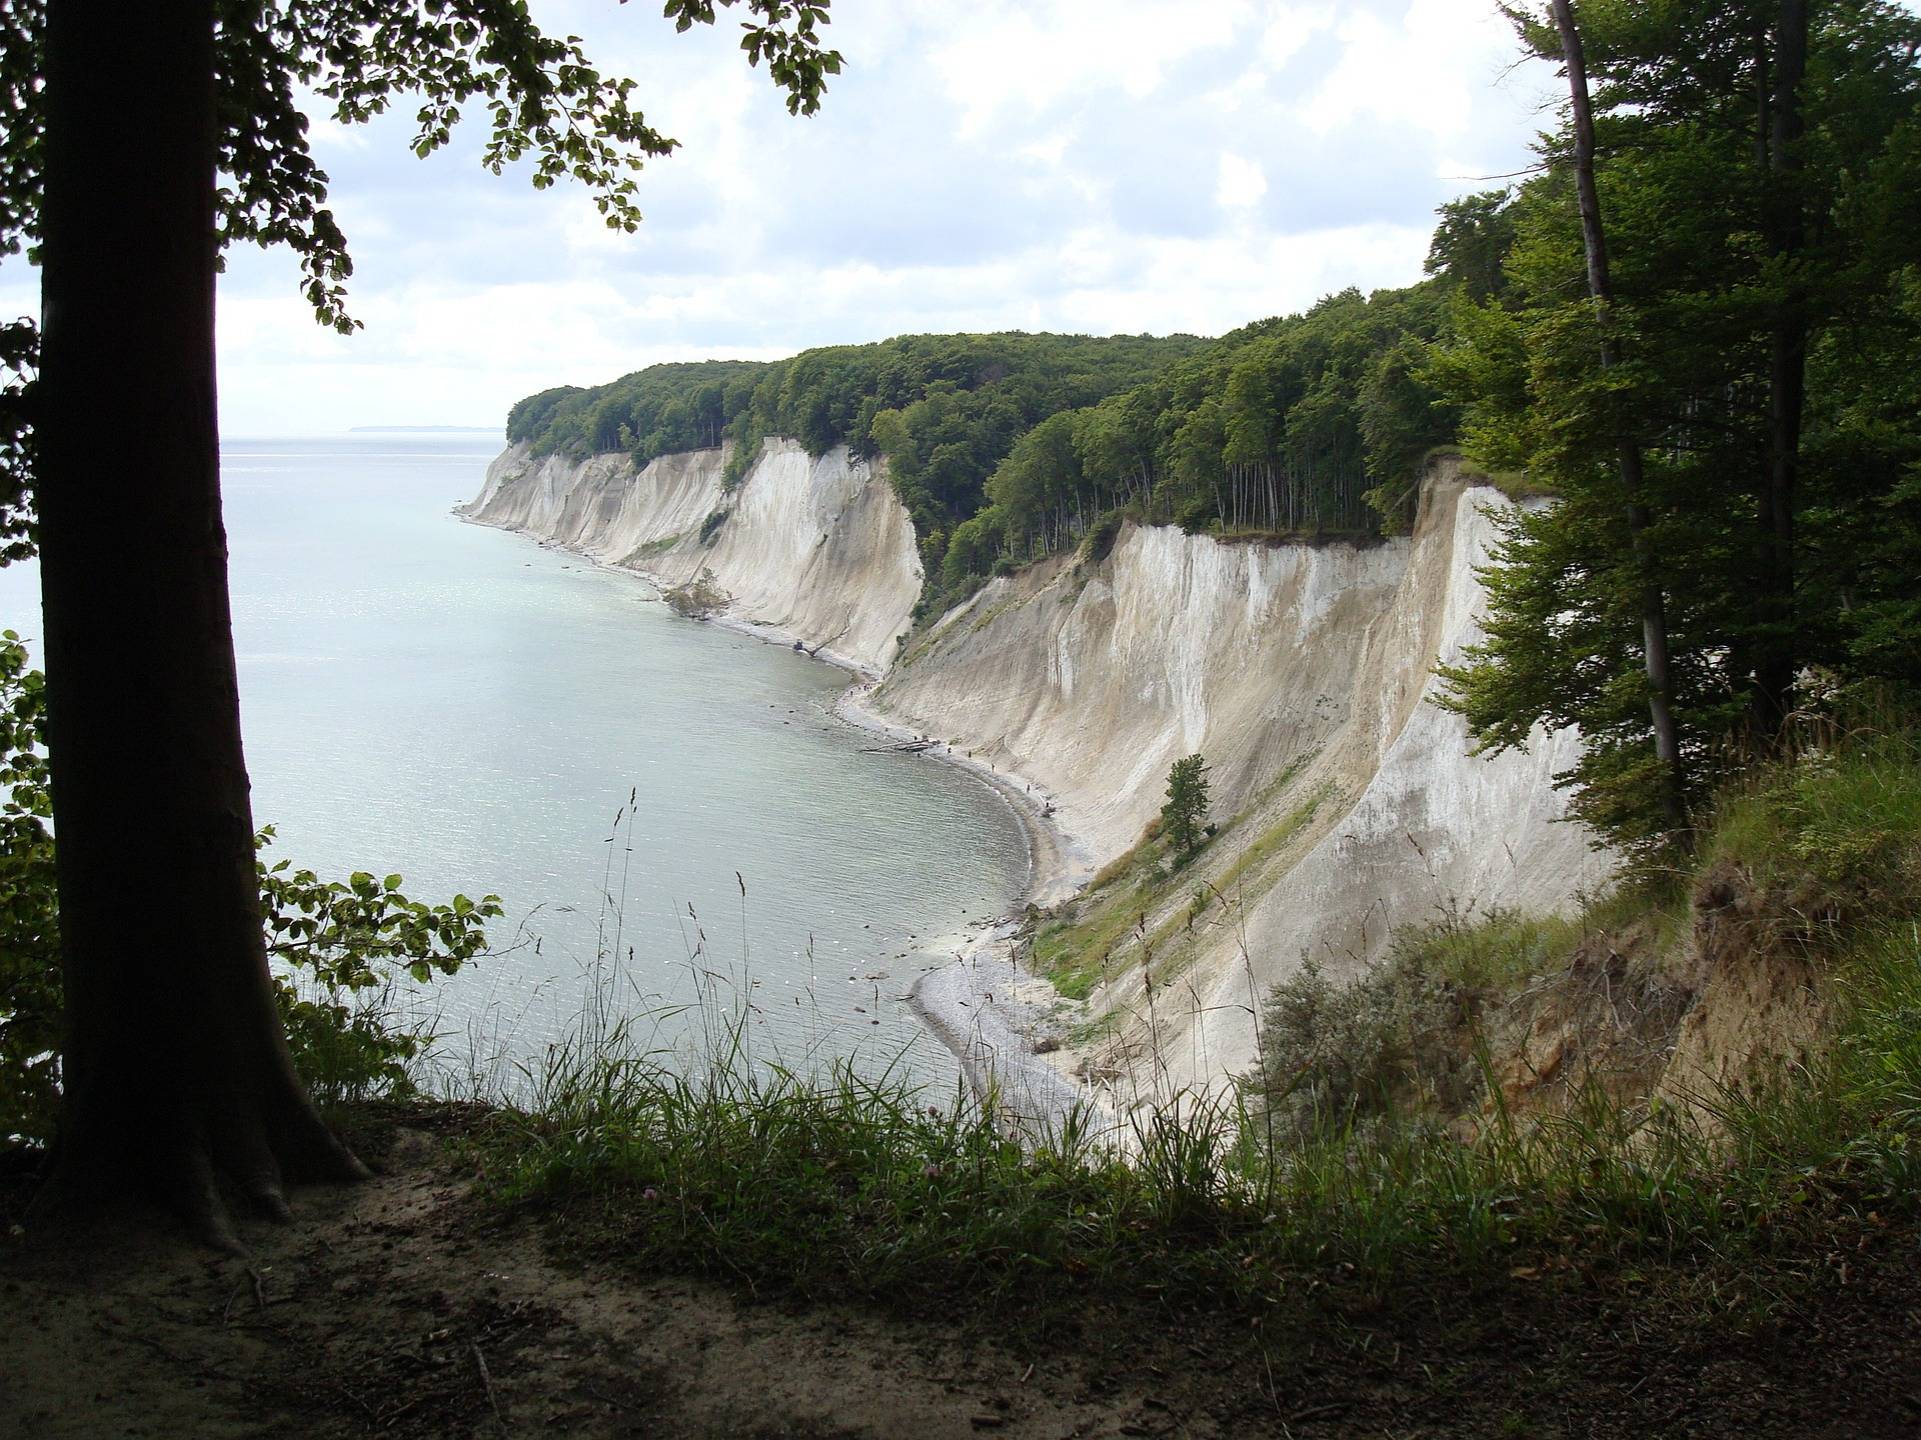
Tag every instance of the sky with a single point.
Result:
(1105, 166)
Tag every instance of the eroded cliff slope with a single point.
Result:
(1300, 672)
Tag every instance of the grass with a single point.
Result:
(1843, 817)
(653, 548)
(862, 1190)
(1076, 953)
(859, 1188)
(1272, 840)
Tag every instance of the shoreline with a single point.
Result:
(1057, 864)
(1058, 867)
(972, 1003)
(983, 1004)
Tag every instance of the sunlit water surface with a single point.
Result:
(474, 711)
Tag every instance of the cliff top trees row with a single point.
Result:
(1303, 424)
(1004, 447)
(945, 409)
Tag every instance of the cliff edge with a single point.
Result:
(1347, 805)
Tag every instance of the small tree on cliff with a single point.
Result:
(178, 1077)
(1184, 816)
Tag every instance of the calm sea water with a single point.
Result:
(467, 708)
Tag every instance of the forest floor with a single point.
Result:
(407, 1307)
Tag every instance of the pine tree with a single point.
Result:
(1184, 816)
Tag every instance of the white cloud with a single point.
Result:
(1428, 65)
(1101, 165)
(1242, 182)
(1002, 54)
(1287, 31)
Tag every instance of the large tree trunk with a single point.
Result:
(1786, 232)
(1653, 604)
(177, 1074)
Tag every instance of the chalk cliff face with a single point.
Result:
(1299, 671)
(812, 549)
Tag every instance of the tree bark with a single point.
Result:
(1653, 604)
(1786, 234)
(177, 1075)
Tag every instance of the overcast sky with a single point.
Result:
(1090, 165)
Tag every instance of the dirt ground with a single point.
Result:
(400, 1307)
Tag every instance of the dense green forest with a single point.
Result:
(1006, 447)
(1309, 424)
(945, 409)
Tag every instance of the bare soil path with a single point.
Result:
(402, 1307)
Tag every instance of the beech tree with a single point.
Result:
(178, 1080)
(1756, 163)
(1653, 598)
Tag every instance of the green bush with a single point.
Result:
(29, 935)
(1341, 1057)
(699, 599)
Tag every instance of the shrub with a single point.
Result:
(1402, 1041)
(699, 599)
(340, 949)
(1336, 1056)
(29, 924)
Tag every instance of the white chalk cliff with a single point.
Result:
(1300, 671)
(818, 550)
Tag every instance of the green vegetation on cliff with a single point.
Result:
(945, 409)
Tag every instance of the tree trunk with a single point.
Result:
(1654, 626)
(1785, 228)
(177, 1074)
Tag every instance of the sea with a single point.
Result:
(684, 836)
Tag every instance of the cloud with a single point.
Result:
(1010, 55)
(1105, 165)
